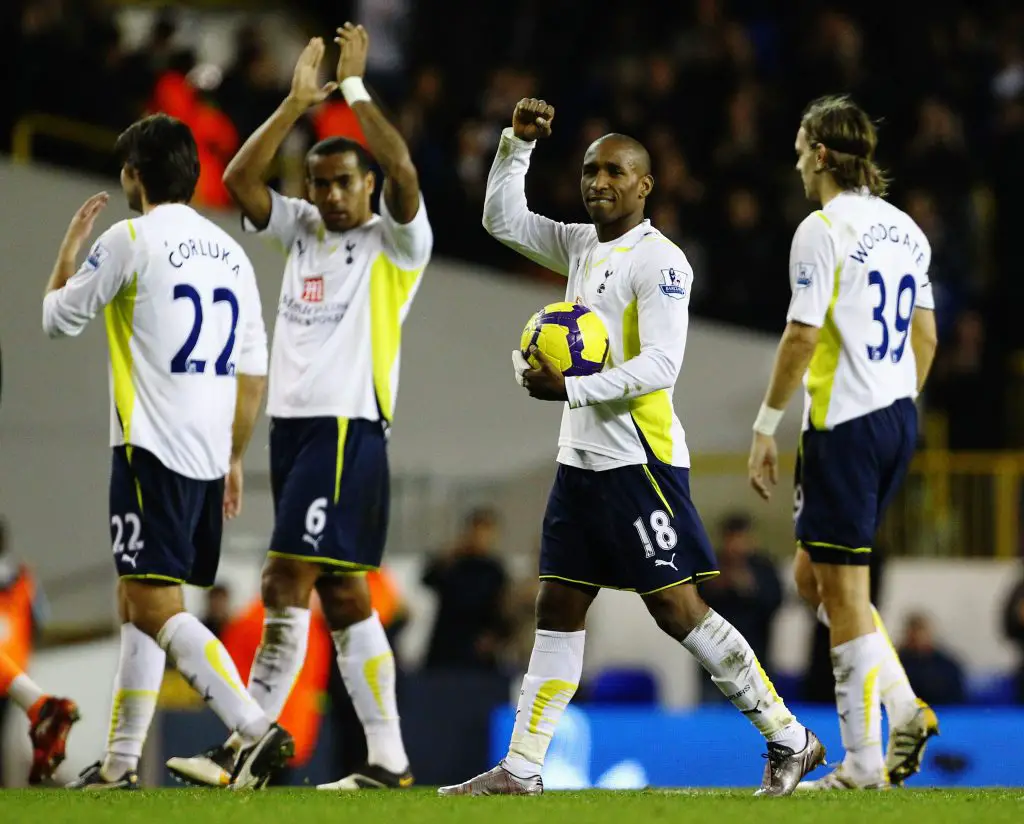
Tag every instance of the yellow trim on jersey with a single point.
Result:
(651, 413)
(390, 290)
(119, 315)
(340, 463)
(823, 545)
(824, 217)
(346, 565)
(822, 371)
(657, 489)
(131, 230)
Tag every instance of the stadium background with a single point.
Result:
(715, 90)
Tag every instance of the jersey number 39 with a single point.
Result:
(183, 362)
(904, 311)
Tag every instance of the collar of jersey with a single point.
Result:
(643, 224)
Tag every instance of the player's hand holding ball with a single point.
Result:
(562, 340)
(306, 90)
(532, 119)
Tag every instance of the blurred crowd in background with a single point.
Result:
(714, 89)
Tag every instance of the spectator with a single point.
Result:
(22, 611)
(1013, 627)
(470, 583)
(935, 675)
(747, 593)
(218, 609)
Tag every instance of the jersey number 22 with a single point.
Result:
(183, 363)
(904, 311)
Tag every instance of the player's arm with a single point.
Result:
(251, 369)
(73, 295)
(812, 272)
(507, 218)
(401, 182)
(662, 303)
(246, 174)
(924, 338)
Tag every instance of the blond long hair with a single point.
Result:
(849, 138)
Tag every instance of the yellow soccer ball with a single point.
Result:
(571, 335)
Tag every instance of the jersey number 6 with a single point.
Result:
(903, 315)
(182, 363)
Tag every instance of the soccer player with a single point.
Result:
(619, 514)
(188, 358)
(349, 280)
(51, 718)
(861, 335)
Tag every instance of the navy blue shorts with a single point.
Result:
(163, 526)
(331, 487)
(632, 528)
(845, 479)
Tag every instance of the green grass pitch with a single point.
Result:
(421, 806)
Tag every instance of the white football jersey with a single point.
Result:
(344, 297)
(858, 270)
(639, 285)
(183, 318)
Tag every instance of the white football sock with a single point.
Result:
(556, 666)
(140, 671)
(280, 657)
(735, 670)
(368, 668)
(857, 666)
(206, 665)
(24, 692)
(897, 695)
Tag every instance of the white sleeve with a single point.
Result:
(812, 265)
(252, 354)
(662, 285)
(288, 216)
(925, 296)
(508, 219)
(408, 245)
(103, 273)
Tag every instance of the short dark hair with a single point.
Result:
(482, 516)
(341, 145)
(850, 140)
(163, 152)
(736, 522)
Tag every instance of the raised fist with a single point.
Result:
(532, 119)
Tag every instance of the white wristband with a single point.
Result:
(354, 91)
(768, 420)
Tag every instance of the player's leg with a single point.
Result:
(367, 666)
(140, 672)
(911, 721)
(303, 468)
(551, 681)
(302, 471)
(836, 522)
(50, 718)
(571, 572)
(665, 552)
(334, 513)
(155, 522)
(901, 705)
